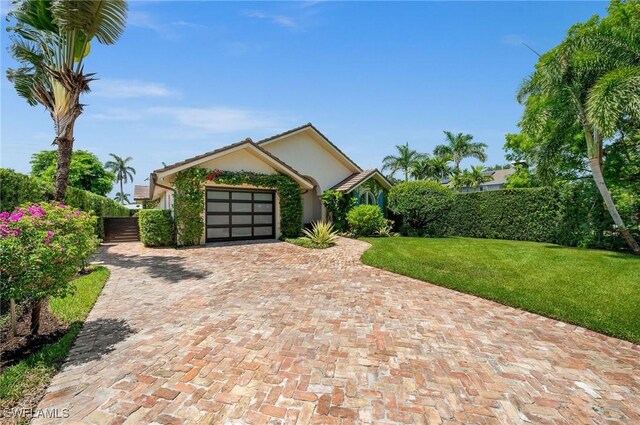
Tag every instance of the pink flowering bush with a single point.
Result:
(42, 247)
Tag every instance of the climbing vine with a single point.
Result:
(189, 199)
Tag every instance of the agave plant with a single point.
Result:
(322, 233)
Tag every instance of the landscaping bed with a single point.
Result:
(29, 363)
(591, 288)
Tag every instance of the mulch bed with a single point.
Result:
(15, 348)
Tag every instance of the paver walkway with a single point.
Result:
(275, 333)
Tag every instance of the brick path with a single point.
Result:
(274, 333)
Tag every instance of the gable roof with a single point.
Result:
(499, 176)
(140, 192)
(355, 180)
(322, 137)
(244, 144)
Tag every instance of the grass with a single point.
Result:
(35, 372)
(307, 243)
(599, 290)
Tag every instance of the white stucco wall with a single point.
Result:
(309, 158)
(240, 160)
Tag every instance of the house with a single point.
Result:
(249, 212)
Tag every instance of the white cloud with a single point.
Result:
(281, 20)
(117, 114)
(218, 119)
(127, 89)
(166, 30)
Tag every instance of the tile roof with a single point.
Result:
(355, 179)
(140, 192)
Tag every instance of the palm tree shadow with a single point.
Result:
(168, 267)
(98, 338)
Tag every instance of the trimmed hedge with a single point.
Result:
(516, 214)
(365, 220)
(156, 227)
(572, 214)
(17, 189)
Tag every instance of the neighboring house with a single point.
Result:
(497, 182)
(247, 212)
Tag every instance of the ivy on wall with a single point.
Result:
(190, 191)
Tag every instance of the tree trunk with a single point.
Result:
(121, 193)
(35, 316)
(65, 149)
(596, 169)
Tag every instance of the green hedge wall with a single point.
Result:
(517, 214)
(17, 189)
(571, 214)
(156, 227)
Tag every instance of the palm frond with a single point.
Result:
(614, 96)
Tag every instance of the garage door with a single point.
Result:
(240, 215)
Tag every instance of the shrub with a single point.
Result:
(421, 204)
(321, 234)
(156, 227)
(43, 246)
(338, 205)
(17, 189)
(365, 220)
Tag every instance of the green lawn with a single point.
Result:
(599, 290)
(34, 373)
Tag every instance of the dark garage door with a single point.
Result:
(240, 215)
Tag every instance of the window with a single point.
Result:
(368, 198)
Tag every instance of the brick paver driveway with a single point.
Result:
(275, 333)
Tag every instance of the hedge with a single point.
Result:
(572, 214)
(17, 189)
(156, 227)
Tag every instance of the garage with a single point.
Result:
(240, 214)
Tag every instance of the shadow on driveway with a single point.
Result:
(98, 338)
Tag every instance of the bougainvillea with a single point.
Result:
(43, 246)
(189, 199)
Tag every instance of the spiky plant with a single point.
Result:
(322, 233)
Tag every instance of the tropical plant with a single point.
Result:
(590, 81)
(123, 172)
(403, 161)
(338, 205)
(156, 227)
(440, 165)
(85, 172)
(321, 233)
(423, 169)
(460, 146)
(42, 247)
(50, 39)
(476, 175)
(366, 220)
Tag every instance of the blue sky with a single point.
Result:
(188, 77)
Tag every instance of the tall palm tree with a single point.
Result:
(123, 172)
(403, 161)
(422, 169)
(593, 78)
(50, 39)
(460, 146)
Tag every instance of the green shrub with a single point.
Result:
(17, 189)
(366, 220)
(156, 227)
(338, 204)
(422, 206)
(321, 234)
(42, 247)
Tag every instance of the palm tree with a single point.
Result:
(123, 172)
(122, 198)
(441, 166)
(593, 78)
(422, 169)
(402, 162)
(476, 176)
(50, 40)
(460, 146)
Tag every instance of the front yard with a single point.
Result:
(599, 290)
